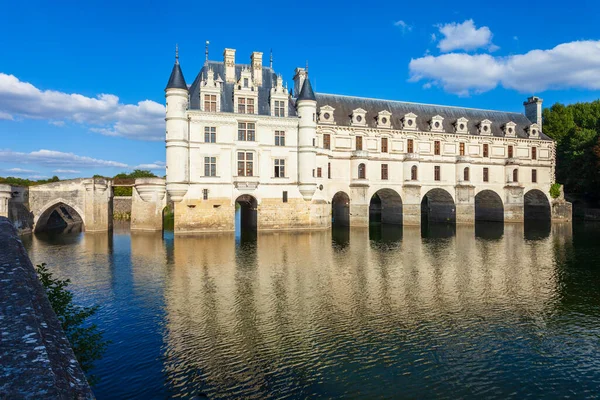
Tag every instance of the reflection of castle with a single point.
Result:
(254, 318)
(238, 131)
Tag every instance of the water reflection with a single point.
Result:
(378, 312)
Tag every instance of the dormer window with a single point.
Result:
(245, 97)
(359, 117)
(437, 124)
(326, 115)
(534, 131)
(210, 92)
(485, 127)
(510, 129)
(409, 122)
(461, 125)
(279, 99)
(384, 119)
(245, 82)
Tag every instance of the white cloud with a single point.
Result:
(566, 66)
(465, 36)
(20, 171)
(403, 26)
(55, 159)
(58, 123)
(66, 171)
(104, 114)
(155, 165)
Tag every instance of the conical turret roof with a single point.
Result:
(306, 93)
(176, 80)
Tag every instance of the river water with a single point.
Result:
(465, 312)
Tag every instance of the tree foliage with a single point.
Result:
(11, 180)
(137, 173)
(85, 338)
(576, 129)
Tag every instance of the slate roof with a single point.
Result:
(306, 93)
(264, 92)
(176, 80)
(344, 105)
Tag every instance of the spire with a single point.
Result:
(306, 93)
(271, 59)
(176, 80)
(206, 52)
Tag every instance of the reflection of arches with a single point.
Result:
(386, 207)
(537, 206)
(246, 218)
(362, 173)
(488, 206)
(438, 206)
(58, 214)
(340, 209)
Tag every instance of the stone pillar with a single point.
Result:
(411, 204)
(514, 208)
(98, 205)
(465, 204)
(5, 195)
(147, 203)
(359, 205)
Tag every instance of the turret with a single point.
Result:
(177, 139)
(306, 106)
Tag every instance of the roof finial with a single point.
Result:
(206, 51)
(176, 53)
(271, 59)
(306, 67)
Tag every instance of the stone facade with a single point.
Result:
(147, 203)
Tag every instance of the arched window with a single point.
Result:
(515, 175)
(413, 173)
(466, 174)
(362, 171)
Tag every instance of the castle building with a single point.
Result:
(238, 139)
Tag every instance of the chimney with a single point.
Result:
(229, 60)
(256, 59)
(299, 77)
(533, 110)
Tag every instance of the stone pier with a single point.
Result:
(147, 203)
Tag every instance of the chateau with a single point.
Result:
(238, 139)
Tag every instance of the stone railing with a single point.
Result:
(36, 359)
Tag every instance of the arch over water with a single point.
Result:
(59, 215)
(438, 206)
(385, 207)
(488, 206)
(340, 209)
(537, 206)
(246, 216)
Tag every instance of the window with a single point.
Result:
(510, 151)
(384, 172)
(436, 148)
(314, 142)
(410, 146)
(246, 131)
(279, 138)
(413, 173)
(210, 102)
(515, 175)
(245, 164)
(279, 108)
(205, 194)
(245, 82)
(362, 173)
(534, 153)
(279, 168)
(210, 166)
(486, 175)
(326, 141)
(359, 143)
(384, 145)
(486, 150)
(461, 149)
(210, 134)
(534, 175)
(285, 196)
(329, 170)
(437, 175)
(466, 174)
(319, 172)
(245, 105)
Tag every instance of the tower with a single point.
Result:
(177, 141)
(306, 106)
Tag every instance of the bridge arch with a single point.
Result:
(438, 206)
(385, 207)
(536, 206)
(340, 209)
(246, 213)
(58, 213)
(489, 206)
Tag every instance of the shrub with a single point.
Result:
(555, 190)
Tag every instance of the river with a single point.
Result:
(467, 312)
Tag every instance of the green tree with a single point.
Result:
(85, 338)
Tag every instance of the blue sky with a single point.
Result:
(82, 83)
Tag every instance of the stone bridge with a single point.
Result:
(81, 202)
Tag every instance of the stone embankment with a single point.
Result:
(36, 359)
